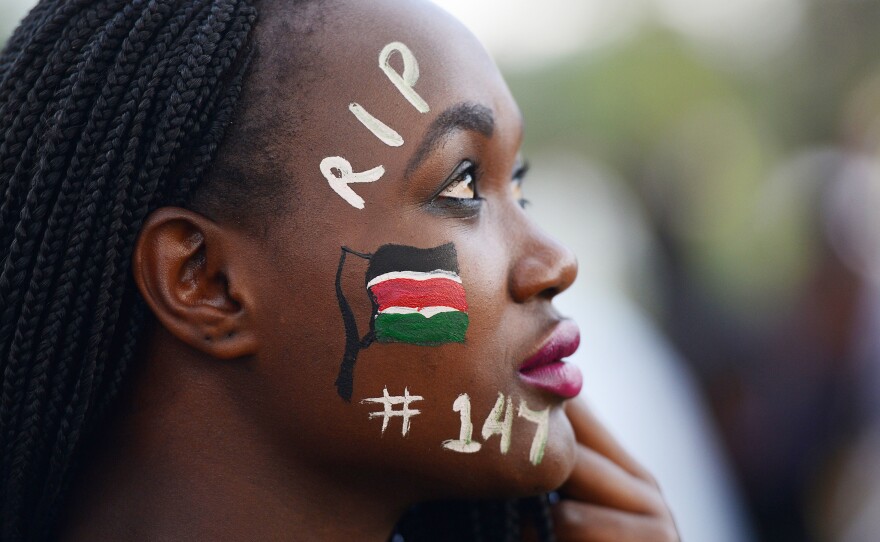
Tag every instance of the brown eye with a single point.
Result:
(458, 195)
(462, 187)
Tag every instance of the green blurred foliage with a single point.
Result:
(702, 139)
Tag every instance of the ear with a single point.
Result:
(186, 269)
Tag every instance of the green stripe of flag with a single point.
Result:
(445, 327)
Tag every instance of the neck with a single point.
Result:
(185, 464)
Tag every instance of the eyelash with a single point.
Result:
(459, 207)
(469, 169)
(466, 169)
(518, 178)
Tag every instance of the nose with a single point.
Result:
(542, 268)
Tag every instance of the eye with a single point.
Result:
(461, 184)
(516, 184)
(458, 196)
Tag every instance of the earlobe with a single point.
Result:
(189, 272)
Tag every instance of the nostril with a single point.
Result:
(545, 271)
(550, 293)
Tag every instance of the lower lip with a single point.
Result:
(560, 378)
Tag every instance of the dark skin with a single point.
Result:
(234, 429)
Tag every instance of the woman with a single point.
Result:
(267, 275)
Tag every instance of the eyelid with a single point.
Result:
(520, 172)
(459, 170)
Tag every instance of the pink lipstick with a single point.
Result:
(546, 369)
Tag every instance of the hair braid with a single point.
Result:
(27, 428)
(32, 94)
(68, 209)
(33, 20)
(41, 192)
(476, 522)
(544, 519)
(47, 176)
(511, 521)
(108, 109)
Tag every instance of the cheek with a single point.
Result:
(457, 443)
(406, 410)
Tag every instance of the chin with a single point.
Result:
(513, 474)
(557, 464)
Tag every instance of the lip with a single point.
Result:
(546, 369)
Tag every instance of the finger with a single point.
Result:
(590, 432)
(581, 522)
(598, 480)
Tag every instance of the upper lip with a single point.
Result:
(562, 342)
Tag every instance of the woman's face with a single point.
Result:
(451, 290)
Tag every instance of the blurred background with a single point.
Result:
(715, 164)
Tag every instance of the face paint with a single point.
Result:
(463, 444)
(407, 81)
(347, 176)
(385, 133)
(542, 419)
(417, 295)
(417, 298)
(388, 411)
(495, 425)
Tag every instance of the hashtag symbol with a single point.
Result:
(388, 412)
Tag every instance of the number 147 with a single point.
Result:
(499, 422)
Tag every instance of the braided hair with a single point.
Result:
(477, 521)
(109, 109)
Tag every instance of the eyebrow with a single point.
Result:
(463, 116)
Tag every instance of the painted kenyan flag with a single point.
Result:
(417, 298)
(417, 295)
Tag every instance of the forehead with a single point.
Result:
(321, 57)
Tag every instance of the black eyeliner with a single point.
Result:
(519, 176)
(459, 170)
(457, 207)
(521, 171)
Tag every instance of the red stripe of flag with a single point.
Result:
(418, 294)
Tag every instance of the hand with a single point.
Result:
(608, 497)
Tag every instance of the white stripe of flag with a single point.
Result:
(415, 275)
(427, 312)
